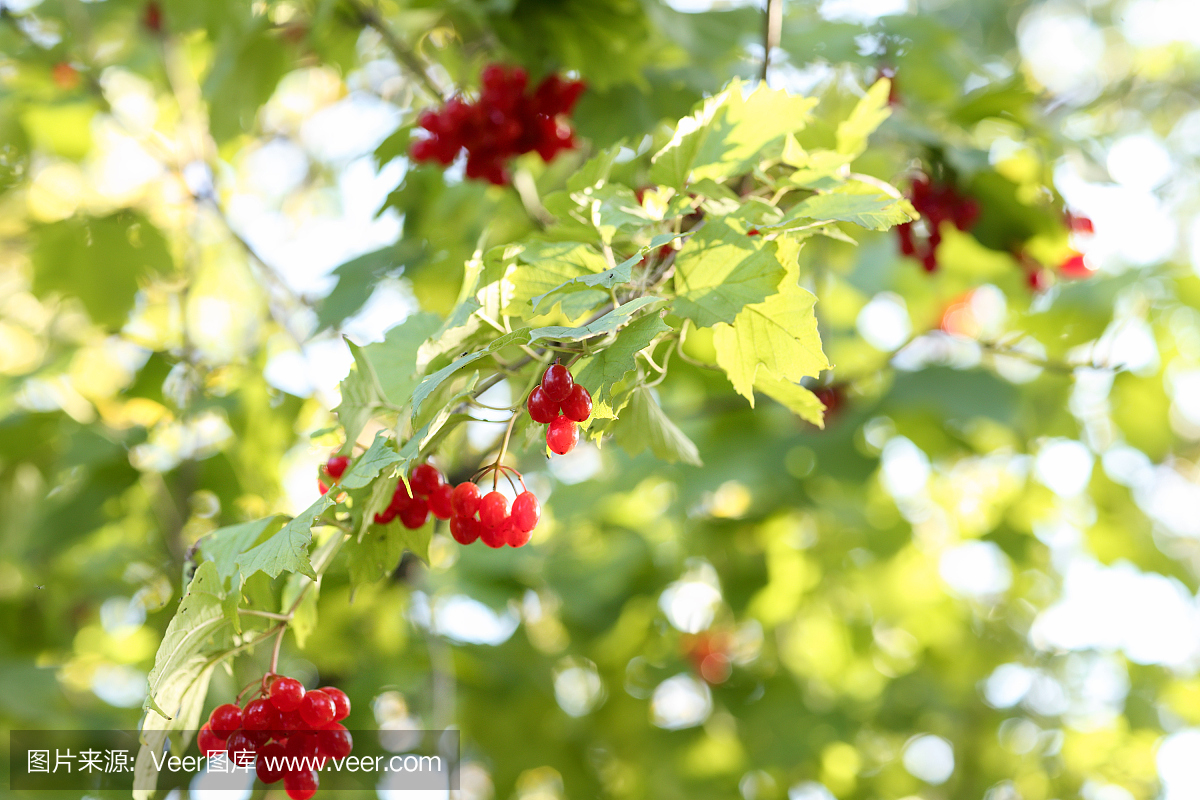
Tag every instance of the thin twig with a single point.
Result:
(408, 59)
(772, 30)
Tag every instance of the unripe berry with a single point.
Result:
(557, 382)
(317, 709)
(441, 501)
(336, 466)
(301, 785)
(466, 500)
(526, 512)
(493, 509)
(225, 719)
(341, 702)
(465, 530)
(578, 405)
(562, 436)
(286, 694)
(541, 408)
(424, 479)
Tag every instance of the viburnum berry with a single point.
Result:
(494, 537)
(270, 763)
(239, 744)
(225, 719)
(465, 500)
(286, 694)
(260, 715)
(317, 708)
(526, 512)
(541, 408)
(937, 203)
(504, 122)
(578, 405)
(336, 466)
(341, 702)
(493, 509)
(209, 742)
(424, 479)
(321, 485)
(464, 529)
(441, 501)
(335, 741)
(301, 785)
(513, 535)
(557, 382)
(562, 436)
(414, 514)
(1075, 267)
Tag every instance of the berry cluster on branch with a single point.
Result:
(559, 402)
(505, 121)
(937, 203)
(430, 495)
(284, 725)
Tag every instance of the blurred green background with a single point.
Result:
(977, 582)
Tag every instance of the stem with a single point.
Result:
(404, 54)
(268, 614)
(275, 653)
(772, 29)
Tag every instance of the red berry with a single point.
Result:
(562, 436)
(557, 383)
(541, 408)
(578, 405)
(441, 501)
(385, 516)
(414, 514)
(1075, 267)
(494, 537)
(225, 719)
(301, 785)
(321, 485)
(270, 762)
(514, 536)
(424, 479)
(152, 17)
(241, 747)
(335, 741)
(317, 708)
(209, 742)
(493, 509)
(526, 511)
(465, 500)
(336, 466)
(290, 721)
(465, 530)
(752, 232)
(341, 703)
(286, 694)
(260, 715)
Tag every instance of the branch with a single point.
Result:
(404, 54)
(772, 29)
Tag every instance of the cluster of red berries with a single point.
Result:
(335, 468)
(286, 733)
(560, 402)
(504, 122)
(489, 519)
(937, 203)
(430, 495)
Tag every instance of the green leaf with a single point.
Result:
(223, 546)
(868, 115)
(622, 273)
(430, 383)
(287, 550)
(100, 260)
(600, 372)
(545, 267)
(245, 71)
(727, 135)
(863, 205)
(358, 277)
(360, 395)
(364, 468)
(720, 270)
(612, 321)
(644, 424)
(183, 665)
(394, 360)
(779, 334)
(793, 396)
(304, 620)
(380, 550)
